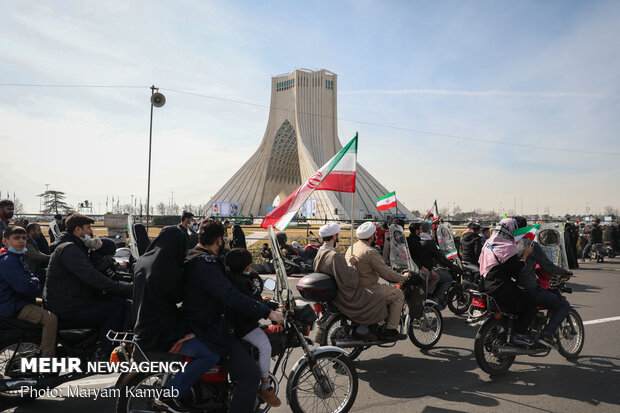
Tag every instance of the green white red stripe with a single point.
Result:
(525, 232)
(451, 254)
(338, 174)
(386, 202)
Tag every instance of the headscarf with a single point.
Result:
(158, 287)
(238, 237)
(501, 246)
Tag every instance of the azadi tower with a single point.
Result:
(301, 136)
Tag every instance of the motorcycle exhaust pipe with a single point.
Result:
(16, 384)
(516, 351)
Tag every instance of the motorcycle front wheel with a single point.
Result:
(425, 332)
(571, 335)
(491, 334)
(334, 391)
(458, 300)
(9, 370)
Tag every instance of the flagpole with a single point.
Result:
(352, 218)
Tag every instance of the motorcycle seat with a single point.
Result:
(15, 324)
(77, 334)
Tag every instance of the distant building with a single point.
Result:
(301, 136)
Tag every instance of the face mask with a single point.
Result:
(14, 251)
(86, 236)
(195, 227)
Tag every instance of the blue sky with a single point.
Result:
(533, 73)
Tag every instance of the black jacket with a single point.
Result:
(210, 297)
(471, 245)
(158, 288)
(502, 272)
(425, 252)
(596, 235)
(72, 282)
(250, 285)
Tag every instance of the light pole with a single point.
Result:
(157, 100)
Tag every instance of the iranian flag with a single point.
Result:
(338, 174)
(386, 202)
(451, 254)
(526, 232)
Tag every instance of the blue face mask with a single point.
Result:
(195, 228)
(14, 251)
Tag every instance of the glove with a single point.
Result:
(93, 243)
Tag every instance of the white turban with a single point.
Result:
(328, 230)
(366, 230)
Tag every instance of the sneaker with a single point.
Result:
(547, 341)
(170, 404)
(391, 334)
(522, 340)
(270, 397)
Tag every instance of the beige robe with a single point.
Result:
(370, 266)
(360, 304)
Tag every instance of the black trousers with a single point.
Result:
(514, 300)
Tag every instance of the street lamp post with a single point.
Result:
(157, 100)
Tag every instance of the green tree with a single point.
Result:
(54, 202)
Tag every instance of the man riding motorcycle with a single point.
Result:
(370, 267)
(425, 253)
(361, 304)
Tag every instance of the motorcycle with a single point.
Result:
(493, 349)
(22, 340)
(458, 297)
(322, 380)
(420, 319)
(609, 250)
(596, 252)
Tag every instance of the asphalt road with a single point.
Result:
(447, 378)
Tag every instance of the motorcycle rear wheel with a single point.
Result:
(458, 300)
(491, 334)
(571, 335)
(337, 329)
(306, 395)
(143, 381)
(425, 332)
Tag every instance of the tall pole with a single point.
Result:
(148, 188)
(352, 218)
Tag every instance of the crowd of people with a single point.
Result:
(190, 263)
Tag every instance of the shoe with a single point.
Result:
(522, 340)
(391, 334)
(547, 341)
(368, 336)
(270, 397)
(170, 404)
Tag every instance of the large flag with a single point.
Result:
(386, 202)
(526, 232)
(338, 174)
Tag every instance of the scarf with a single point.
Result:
(426, 236)
(500, 247)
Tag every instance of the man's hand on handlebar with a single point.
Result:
(276, 316)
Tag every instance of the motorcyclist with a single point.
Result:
(499, 262)
(426, 256)
(362, 305)
(287, 250)
(370, 267)
(596, 237)
(471, 243)
(528, 280)
(73, 286)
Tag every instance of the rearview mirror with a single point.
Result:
(270, 284)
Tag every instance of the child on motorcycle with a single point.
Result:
(238, 262)
(19, 287)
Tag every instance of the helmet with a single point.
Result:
(281, 237)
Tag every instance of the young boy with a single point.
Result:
(238, 261)
(19, 287)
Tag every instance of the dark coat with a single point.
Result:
(18, 286)
(596, 235)
(210, 297)
(500, 273)
(431, 253)
(250, 285)
(72, 282)
(238, 237)
(471, 246)
(158, 288)
(35, 259)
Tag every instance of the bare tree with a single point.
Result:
(161, 208)
(608, 210)
(126, 209)
(173, 210)
(19, 207)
